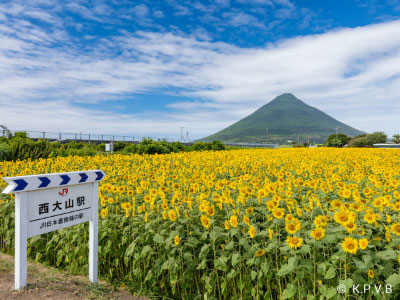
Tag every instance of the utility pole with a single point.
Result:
(5, 129)
(337, 142)
(266, 134)
(182, 135)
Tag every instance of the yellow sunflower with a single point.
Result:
(278, 213)
(233, 221)
(350, 245)
(342, 217)
(350, 226)
(270, 233)
(226, 224)
(172, 215)
(293, 227)
(320, 221)
(363, 243)
(294, 242)
(370, 218)
(246, 220)
(252, 232)
(176, 240)
(249, 210)
(104, 212)
(205, 221)
(318, 234)
(260, 252)
(395, 228)
(210, 210)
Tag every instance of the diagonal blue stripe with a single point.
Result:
(45, 181)
(21, 185)
(100, 175)
(65, 179)
(84, 177)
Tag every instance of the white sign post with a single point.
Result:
(48, 202)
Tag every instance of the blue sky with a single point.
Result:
(151, 67)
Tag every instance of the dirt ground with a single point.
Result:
(50, 283)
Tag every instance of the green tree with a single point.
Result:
(396, 138)
(217, 145)
(5, 151)
(21, 134)
(177, 146)
(337, 141)
(375, 138)
(118, 146)
(368, 140)
(200, 146)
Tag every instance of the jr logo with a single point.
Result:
(64, 192)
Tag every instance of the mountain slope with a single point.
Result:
(285, 117)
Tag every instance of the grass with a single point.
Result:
(49, 282)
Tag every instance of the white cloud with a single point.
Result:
(42, 16)
(223, 3)
(256, 2)
(239, 19)
(350, 73)
(180, 10)
(158, 14)
(286, 3)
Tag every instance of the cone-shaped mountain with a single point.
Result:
(284, 118)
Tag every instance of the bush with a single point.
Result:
(101, 147)
(366, 140)
(5, 151)
(80, 149)
(340, 141)
(153, 148)
(146, 141)
(21, 134)
(177, 147)
(148, 146)
(118, 146)
(74, 145)
(199, 146)
(24, 148)
(376, 138)
(130, 149)
(217, 145)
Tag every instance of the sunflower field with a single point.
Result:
(240, 224)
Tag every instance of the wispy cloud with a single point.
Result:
(240, 19)
(180, 9)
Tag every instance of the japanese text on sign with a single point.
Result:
(59, 208)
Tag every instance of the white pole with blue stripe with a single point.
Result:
(21, 240)
(93, 237)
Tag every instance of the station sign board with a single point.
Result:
(49, 202)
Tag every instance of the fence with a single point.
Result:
(64, 137)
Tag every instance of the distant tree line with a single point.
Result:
(363, 140)
(19, 146)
